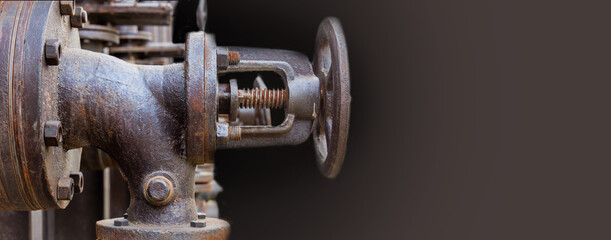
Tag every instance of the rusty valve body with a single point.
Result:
(156, 122)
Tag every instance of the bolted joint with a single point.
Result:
(53, 133)
(234, 58)
(226, 58)
(159, 190)
(79, 181)
(65, 189)
(198, 224)
(222, 132)
(121, 222)
(66, 7)
(235, 133)
(53, 51)
(226, 133)
(79, 18)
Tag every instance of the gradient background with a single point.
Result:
(471, 119)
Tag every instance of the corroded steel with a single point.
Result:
(215, 229)
(201, 87)
(331, 67)
(30, 171)
(136, 115)
(155, 122)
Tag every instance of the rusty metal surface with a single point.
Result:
(151, 50)
(149, 13)
(201, 85)
(331, 66)
(156, 123)
(135, 114)
(215, 229)
(25, 110)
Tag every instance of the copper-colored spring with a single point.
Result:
(262, 98)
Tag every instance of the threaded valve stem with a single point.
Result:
(262, 98)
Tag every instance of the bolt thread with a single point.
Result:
(234, 58)
(262, 98)
(235, 133)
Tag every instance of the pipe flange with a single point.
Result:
(32, 169)
(212, 228)
(201, 92)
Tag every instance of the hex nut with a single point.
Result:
(52, 133)
(222, 133)
(198, 224)
(226, 58)
(125, 215)
(201, 216)
(222, 58)
(53, 51)
(79, 18)
(79, 181)
(121, 222)
(159, 190)
(66, 7)
(65, 189)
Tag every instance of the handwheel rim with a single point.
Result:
(331, 66)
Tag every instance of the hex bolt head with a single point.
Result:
(222, 58)
(53, 133)
(159, 190)
(79, 181)
(121, 222)
(65, 189)
(222, 133)
(201, 216)
(53, 51)
(226, 58)
(198, 224)
(125, 215)
(79, 18)
(66, 7)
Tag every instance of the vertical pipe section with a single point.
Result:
(135, 114)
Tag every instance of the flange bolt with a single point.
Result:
(66, 7)
(53, 133)
(121, 222)
(79, 181)
(226, 58)
(65, 189)
(79, 18)
(53, 51)
(159, 190)
(198, 224)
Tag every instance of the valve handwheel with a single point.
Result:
(330, 64)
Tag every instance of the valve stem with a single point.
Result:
(261, 98)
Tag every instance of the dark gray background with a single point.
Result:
(470, 120)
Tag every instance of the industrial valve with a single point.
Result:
(156, 122)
